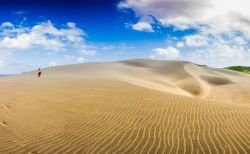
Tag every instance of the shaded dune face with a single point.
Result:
(185, 78)
(135, 106)
(217, 81)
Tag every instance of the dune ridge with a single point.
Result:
(134, 106)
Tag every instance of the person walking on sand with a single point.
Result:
(39, 73)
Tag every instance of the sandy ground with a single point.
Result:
(136, 106)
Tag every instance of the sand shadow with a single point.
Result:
(217, 81)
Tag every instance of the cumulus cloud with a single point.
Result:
(224, 50)
(181, 13)
(6, 24)
(196, 40)
(43, 37)
(221, 55)
(223, 27)
(143, 26)
(166, 53)
(184, 14)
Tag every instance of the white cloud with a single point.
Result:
(71, 24)
(196, 40)
(240, 40)
(231, 46)
(53, 63)
(221, 55)
(180, 44)
(180, 13)
(222, 15)
(166, 53)
(223, 27)
(143, 26)
(87, 52)
(43, 37)
(117, 46)
(222, 51)
(80, 59)
(6, 24)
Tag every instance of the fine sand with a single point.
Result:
(135, 106)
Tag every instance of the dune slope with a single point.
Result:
(135, 106)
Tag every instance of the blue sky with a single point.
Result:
(48, 33)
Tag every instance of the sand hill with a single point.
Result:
(135, 106)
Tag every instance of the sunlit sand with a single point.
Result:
(135, 106)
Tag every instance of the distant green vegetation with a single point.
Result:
(242, 69)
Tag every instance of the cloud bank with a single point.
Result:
(183, 14)
(223, 27)
(42, 37)
(169, 52)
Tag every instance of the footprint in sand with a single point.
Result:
(4, 123)
(7, 106)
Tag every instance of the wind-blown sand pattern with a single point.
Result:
(136, 106)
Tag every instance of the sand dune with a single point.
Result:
(135, 106)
